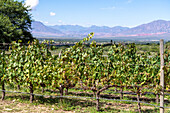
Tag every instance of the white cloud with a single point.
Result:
(32, 3)
(60, 21)
(108, 8)
(52, 14)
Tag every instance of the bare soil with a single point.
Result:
(13, 107)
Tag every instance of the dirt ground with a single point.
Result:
(13, 106)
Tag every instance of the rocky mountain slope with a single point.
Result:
(155, 28)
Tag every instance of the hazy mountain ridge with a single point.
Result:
(39, 29)
(158, 27)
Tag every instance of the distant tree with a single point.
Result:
(15, 21)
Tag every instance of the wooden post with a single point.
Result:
(3, 91)
(121, 92)
(138, 99)
(162, 76)
(31, 93)
(97, 102)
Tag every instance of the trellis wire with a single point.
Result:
(51, 96)
(118, 92)
(132, 93)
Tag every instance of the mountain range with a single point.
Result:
(158, 28)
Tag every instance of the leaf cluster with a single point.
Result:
(15, 21)
(85, 67)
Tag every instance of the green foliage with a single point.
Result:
(6, 29)
(3, 66)
(167, 66)
(29, 64)
(86, 68)
(15, 21)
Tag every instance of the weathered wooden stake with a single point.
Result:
(97, 102)
(162, 76)
(121, 92)
(31, 93)
(3, 91)
(138, 99)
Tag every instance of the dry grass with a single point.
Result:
(14, 106)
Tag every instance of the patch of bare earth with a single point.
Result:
(13, 106)
(126, 107)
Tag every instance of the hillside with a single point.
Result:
(39, 29)
(156, 28)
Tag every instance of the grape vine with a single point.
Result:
(90, 68)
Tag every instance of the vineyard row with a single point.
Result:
(34, 66)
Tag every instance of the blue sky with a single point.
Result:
(127, 13)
